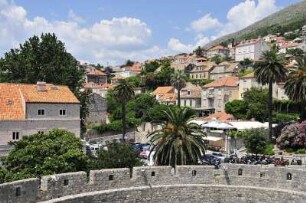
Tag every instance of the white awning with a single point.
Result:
(212, 138)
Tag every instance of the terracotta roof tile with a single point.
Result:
(10, 102)
(169, 97)
(163, 90)
(224, 82)
(14, 96)
(218, 47)
(96, 72)
(248, 42)
(222, 116)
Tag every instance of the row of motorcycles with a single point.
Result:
(249, 159)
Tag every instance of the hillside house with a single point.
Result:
(251, 49)
(97, 109)
(191, 96)
(96, 76)
(224, 69)
(200, 71)
(165, 95)
(216, 94)
(26, 109)
(218, 50)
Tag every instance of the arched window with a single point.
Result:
(289, 176)
(240, 172)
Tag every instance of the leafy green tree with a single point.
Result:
(268, 71)
(255, 140)
(117, 155)
(129, 62)
(57, 151)
(163, 78)
(238, 108)
(257, 103)
(246, 62)
(199, 51)
(179, 141)
(41, 59)
(134, 80)
(151, 67)
(217, 59)
(141, 105)
(295, 86)
(122, 93)
(178, 81)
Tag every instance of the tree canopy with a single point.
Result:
(57, 151)
(255, 140)
(179, 141)
(41, 58)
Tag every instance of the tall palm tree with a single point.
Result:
(179, 141)
(295, 86)
(122, 93)
(270, 69)
(178, 81)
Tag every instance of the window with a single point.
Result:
(41, 112)
(153, 173)
(240, 172)
(111, 177)
(194, 173)
(15, 135)
(18, 191)
(41, 132)
(63, 112)
(188, 92)
(66, 182)
(289, 176)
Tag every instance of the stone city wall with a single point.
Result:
(64, 185)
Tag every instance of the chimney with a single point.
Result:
(41, 86)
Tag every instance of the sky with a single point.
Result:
(109, 32)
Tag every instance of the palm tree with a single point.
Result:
(178, 81)
(269, 70)
(179, 141)
(295, 86)
(122, 93)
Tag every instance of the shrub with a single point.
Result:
(288, 134)
(301, 151)
(269, 150)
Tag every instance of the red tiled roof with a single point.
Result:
(248, 42)
(218, 47)
(221, 116)
(224, 82)
(163, 90)
(14, 96)
(96, 72)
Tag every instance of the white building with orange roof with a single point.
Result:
(218, 50)
(165, 95)
(251, 49)
(191, 96)
(26, 109)
(224, 69)
(248, 81)
(216, 94)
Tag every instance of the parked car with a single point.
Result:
(209, 159)
(219, 156)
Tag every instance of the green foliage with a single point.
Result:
(134, 81)
(117, 155)
(301, 151)
(244, 72)
(141, 105)
(129, 62)
(217, 59)
(284, 117)
(199, 51)
(178, 142)
(295, 52)
(246, 62)
(257, 103)
(41, 59)
(269, 150)
(238, 108)
(256, 140)
(115, 126)
(151, 67)
(178, 81)
(57, 151)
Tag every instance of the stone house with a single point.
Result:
(224, 69)
(251, 49)
(100, 89)
(218, 50)
(26, 109)
(191, 96)
(216, 94)
(165, 95)
(201, 70)
(96, 76)
(97, 109)
(248, 81)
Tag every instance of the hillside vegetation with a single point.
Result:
(288, 19)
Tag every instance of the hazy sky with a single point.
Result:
(112, 31)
